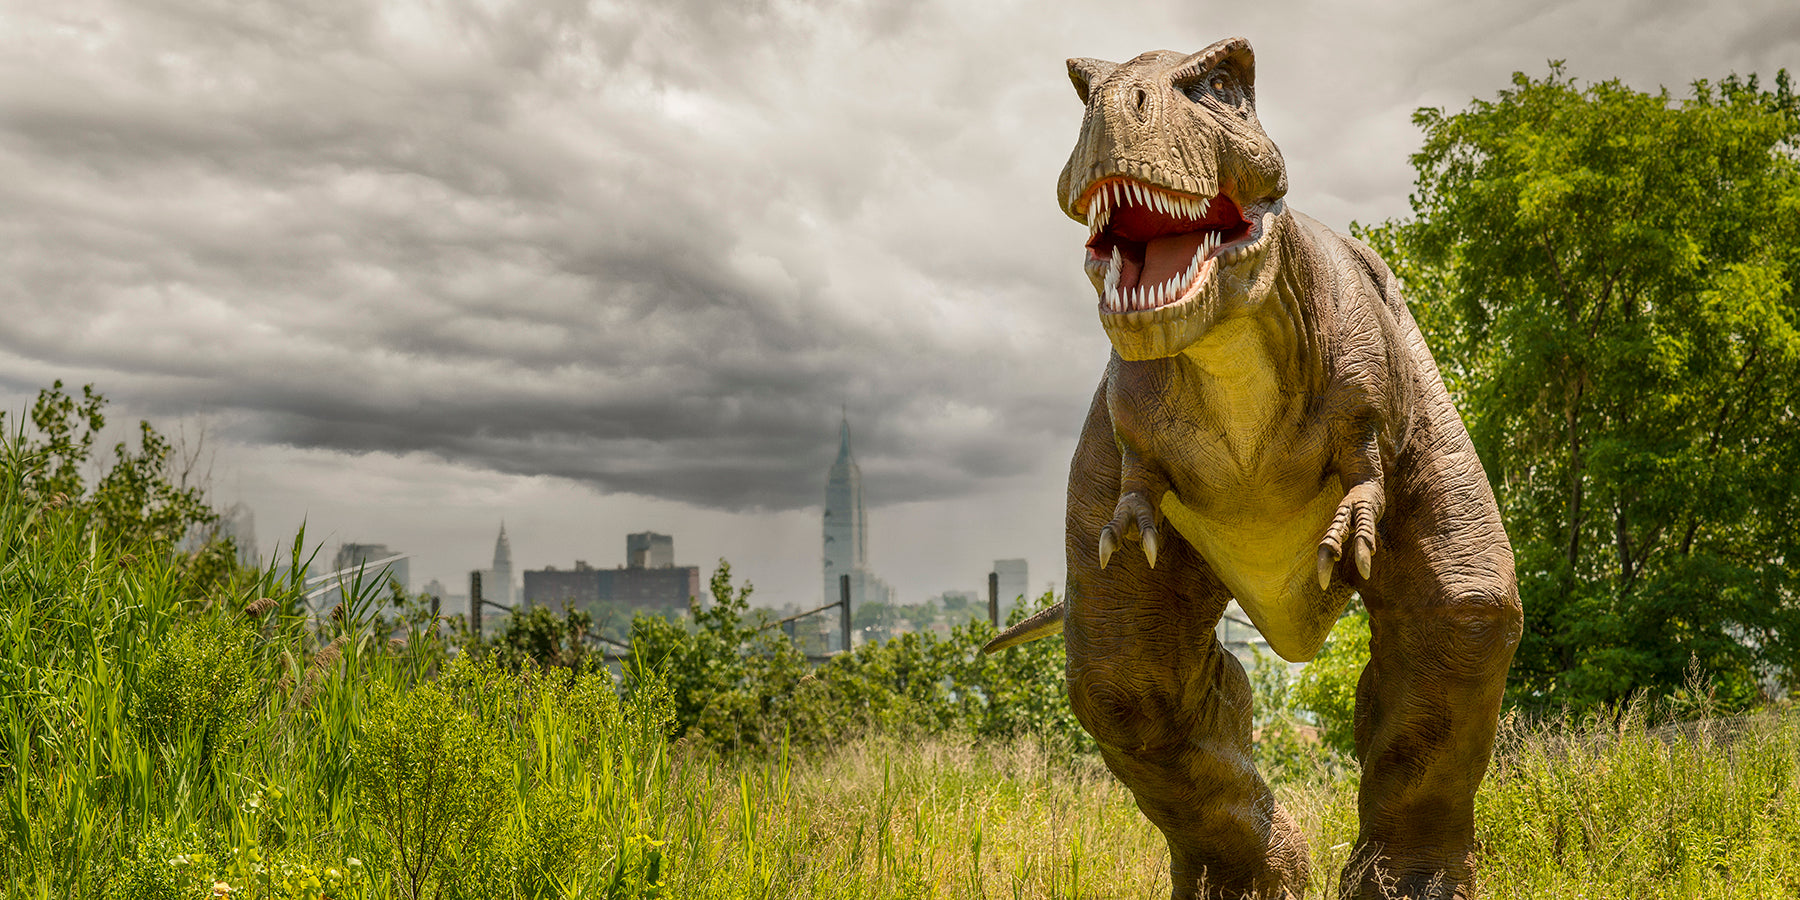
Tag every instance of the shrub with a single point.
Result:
(197, 689)
(429, 777)
(1327, 686)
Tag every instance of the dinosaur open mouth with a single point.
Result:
(1149, 246)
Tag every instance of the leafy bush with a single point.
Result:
(428, 776)
(197, 688)
(739, 683)
(1326, 688)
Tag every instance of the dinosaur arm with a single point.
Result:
(1136, 517)
(1359, 470)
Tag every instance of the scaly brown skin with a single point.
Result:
(1271, 402)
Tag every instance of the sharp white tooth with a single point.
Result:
(1204, 203)
(1112, 281)
(1137, 191)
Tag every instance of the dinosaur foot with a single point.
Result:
(1134, 519)
(1354, 522)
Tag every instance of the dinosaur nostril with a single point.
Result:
(1141, 97)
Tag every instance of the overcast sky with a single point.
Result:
(593, 268)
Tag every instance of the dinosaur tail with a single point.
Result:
(1046, 622)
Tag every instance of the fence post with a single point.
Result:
(844, 600)
(994, 600)
(475, 605)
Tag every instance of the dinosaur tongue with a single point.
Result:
(1168, 256)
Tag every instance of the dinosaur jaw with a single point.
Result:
(1157, 259)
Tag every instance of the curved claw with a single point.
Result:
(1134, 519)
(1354, 525)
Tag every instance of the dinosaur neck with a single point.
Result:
(1283, 323)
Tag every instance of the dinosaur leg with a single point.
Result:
(1169, 707)
(1444, 627)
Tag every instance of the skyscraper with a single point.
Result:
(847, 532)
(497, 582)
(503, 580)
(846, 525)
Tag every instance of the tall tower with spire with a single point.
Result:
(847, 531)
(846, 526)
(502, 589)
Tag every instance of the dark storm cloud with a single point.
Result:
(655, 247)
(634, 245)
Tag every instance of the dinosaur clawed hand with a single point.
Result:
(1354, 522)
(1134, 519)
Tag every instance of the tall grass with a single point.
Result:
(167, 736)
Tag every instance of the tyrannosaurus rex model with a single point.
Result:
(1269, 397)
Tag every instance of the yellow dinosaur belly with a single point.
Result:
(1270, 565)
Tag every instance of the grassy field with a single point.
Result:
(166, 732)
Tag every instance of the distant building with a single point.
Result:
(369, 558)
(634, 587)
(649, 550)
(1015, 583)
(497, 581)
(846, 533)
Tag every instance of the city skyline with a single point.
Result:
(401, 271)
(845, 533)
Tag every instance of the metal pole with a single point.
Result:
(844, 598)
(475, 605)
(993, 599)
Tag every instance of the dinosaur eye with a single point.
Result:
(1224, 87)
(1220, 86)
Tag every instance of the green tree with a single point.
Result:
(732, 675)
(1327, 686)
(1607, 277)
(143, 493)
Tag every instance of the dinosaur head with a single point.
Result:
(1180, 189)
